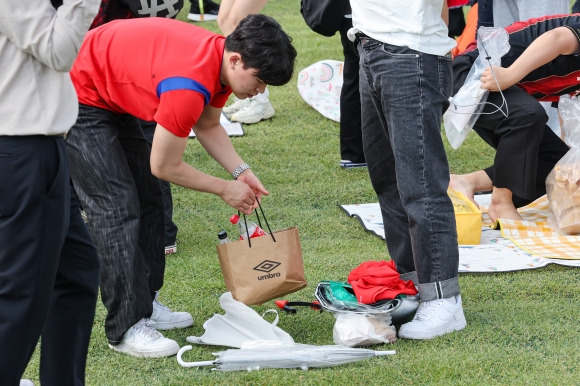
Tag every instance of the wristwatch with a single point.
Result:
(237, 171)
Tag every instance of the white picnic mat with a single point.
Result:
(234, 129)
(494, 253)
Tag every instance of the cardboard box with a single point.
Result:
(467, 217)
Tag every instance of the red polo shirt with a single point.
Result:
(156, 69)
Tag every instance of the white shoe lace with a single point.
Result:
(145, 328)
(428, 309)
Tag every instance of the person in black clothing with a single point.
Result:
(541, 65)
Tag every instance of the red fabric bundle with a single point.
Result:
(378, 280)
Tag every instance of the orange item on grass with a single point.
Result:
(468, 35)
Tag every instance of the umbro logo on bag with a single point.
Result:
(268, 266)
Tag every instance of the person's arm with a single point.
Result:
(233, 11)
(213, 137)
(445, 12)
(547, 47)
(167, 164)
(52, 36)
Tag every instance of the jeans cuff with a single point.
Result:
(439, 289)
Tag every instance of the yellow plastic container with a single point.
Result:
(467, 217)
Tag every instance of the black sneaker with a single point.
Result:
(209, 12)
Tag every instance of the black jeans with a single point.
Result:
(170, 226)
(111, 172)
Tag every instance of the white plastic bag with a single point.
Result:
(563, 182)
(466, 105)
(352, 329)
(238, 326)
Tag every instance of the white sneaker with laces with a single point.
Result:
(142, 340)
(236, 106)
(435, 318)
(254, 112)
(165, 319)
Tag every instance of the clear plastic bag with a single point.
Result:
(563, 182)
(351, 329)
(467, 104)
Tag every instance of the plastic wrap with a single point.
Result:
(563, 182)
(467, 104)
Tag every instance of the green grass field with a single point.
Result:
(522, 326)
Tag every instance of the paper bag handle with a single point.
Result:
(259, 224)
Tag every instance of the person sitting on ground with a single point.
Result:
(541, 65)
(118, 81)
(258, 108)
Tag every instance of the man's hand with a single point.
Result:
(240, 195)
(503, 77)
(250, 179)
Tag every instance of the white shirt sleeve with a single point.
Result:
(52, 36)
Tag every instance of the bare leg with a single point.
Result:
(502, 206)
(469, 184)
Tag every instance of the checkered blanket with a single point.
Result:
(536, 236)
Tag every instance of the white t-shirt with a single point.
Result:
(416, 24)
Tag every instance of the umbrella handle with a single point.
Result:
(382, 353)
(191, 364)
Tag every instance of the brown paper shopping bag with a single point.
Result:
(263, 268)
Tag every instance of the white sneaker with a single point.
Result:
(26, 382)
(254, 112)
(435, 318)
(236, 106)
(170, 249)
(165, 319)
(142, 340)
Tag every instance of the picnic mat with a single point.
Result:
(319, 85)
(234, 129)
(517, 246)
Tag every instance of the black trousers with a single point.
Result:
(351, 147)
(527, 149)
(170, 226)
(48, 264)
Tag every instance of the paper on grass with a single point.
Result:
(234, 129)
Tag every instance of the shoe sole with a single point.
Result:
(352, 165)
(205, 17)
(171, 326)
(145, 354)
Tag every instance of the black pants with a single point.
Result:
(527, 149)
(48, 264)
(170, 226)
(351, 147)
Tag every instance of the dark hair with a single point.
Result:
(263, 45)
